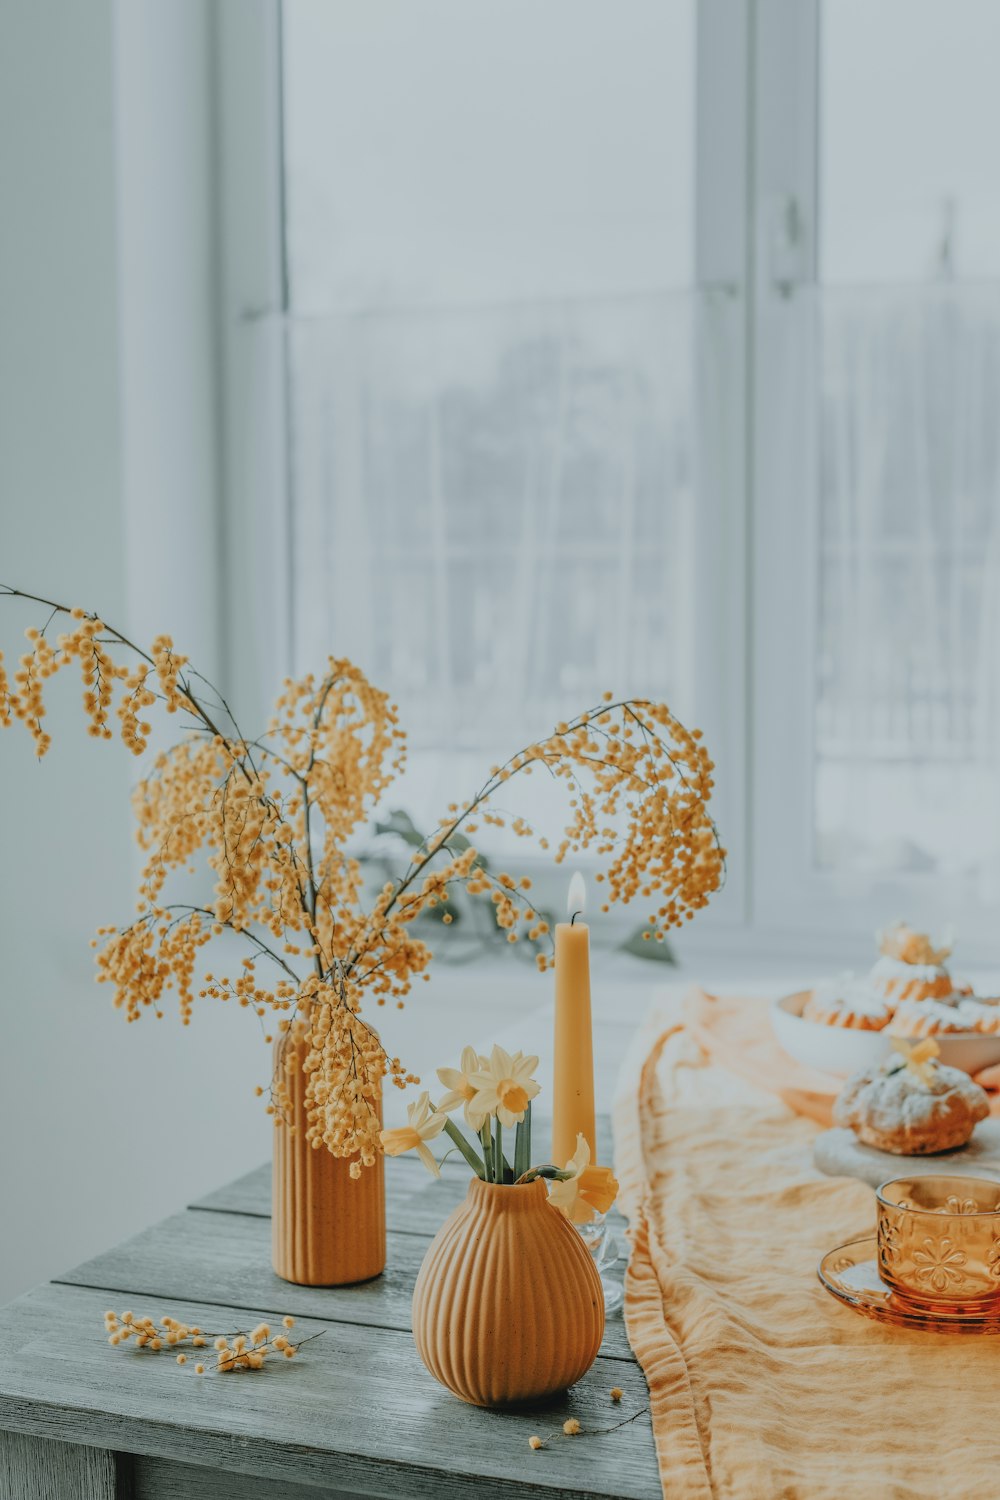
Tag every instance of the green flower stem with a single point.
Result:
(475, 1162)
(522, 1145)
(487, 1140)
(498, 1162)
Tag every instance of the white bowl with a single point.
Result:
(843, 1050)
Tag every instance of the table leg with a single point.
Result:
(37, 1469)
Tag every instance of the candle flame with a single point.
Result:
(576, 900)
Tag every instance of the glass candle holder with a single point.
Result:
(597, 1236)
(939, 1241)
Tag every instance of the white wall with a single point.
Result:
(165, 172)
(103, 1127)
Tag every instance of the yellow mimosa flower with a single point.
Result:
(424, 1124)
(271, 821)
(590, 1189)
(461, 1088)
(505, 1087)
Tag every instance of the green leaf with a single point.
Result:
(475, 1162)
(487, 1139)
(401, 824)
(522, 1145)
(649, 948)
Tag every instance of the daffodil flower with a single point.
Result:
(589, 1191)
(424, 1124)
(505, 1087)
(461, 1089)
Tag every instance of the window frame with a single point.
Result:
(252, 283)
(755, 562)
(784, 210)
(790, 893)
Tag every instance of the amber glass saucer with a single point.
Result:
(851, 1273)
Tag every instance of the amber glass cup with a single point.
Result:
(939, 1241)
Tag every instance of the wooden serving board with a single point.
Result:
(839, 1153)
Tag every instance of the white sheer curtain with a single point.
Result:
(490, 232)
(492, 511)
(908, 670)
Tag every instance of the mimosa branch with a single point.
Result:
(275, 817)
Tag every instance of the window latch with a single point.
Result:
(786, 243)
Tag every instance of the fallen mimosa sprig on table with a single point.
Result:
(572, 1427)
(234, 1351)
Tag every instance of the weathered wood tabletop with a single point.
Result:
(355, 1414)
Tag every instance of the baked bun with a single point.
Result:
(980, 1013)
(902, 941)
(929, 1018)
(895, 980)
(910, 967)
(848, 1003)
(912, 1105)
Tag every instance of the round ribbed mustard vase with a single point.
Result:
(508, 1305)
(327, 1228)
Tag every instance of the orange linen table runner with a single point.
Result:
(761, 1384)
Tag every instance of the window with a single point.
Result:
(640, 343)
(883, 475)
(490, 358)
(908, 645)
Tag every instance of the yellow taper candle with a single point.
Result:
(573, 1080)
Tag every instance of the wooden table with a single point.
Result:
(355, 1414)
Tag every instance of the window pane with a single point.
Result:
(491, 509)
(909, 646)
(908, 640)
(910, 118)
(490, 226)
(461, 151)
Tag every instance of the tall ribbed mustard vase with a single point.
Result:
(327, 1228)
(508, 1305)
